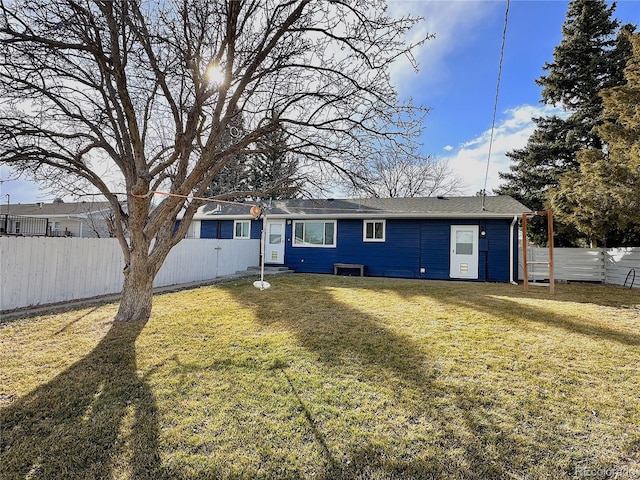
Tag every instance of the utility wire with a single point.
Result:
(495, 104)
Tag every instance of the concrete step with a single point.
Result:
(268, 270)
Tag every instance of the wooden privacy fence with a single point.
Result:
(611, 266)
(40, 270)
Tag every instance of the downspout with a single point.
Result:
(511, 252)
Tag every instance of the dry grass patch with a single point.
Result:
(329, 377)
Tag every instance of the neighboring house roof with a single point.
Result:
(423, 207)
(59, 209)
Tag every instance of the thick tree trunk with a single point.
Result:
(145, 250)
(137, 291)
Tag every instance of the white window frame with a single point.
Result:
(295, 242)
(374, 221)
(235, 229)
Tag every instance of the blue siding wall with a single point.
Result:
(224, 229)
(397, 257)
(210, 229)
(410, 245)
(497, 254)
(256, 229)
(435, 236)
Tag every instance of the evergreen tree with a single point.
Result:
(273, 170)
(602, 198)
(589, 58)
(549, 151)
(265, 169)
(585, 62)
(231, 182)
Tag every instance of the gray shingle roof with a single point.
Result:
(73, 209)
(424, 207)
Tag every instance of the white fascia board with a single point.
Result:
(59, 215)
(200, 216)
(294, 216)
(64, 215)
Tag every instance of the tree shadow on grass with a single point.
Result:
(574, 292)
(504, 301)
(339, 334)
(509, 308)
(95, 418)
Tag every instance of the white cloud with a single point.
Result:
(453, 24)
(448, 148)
(470, 159)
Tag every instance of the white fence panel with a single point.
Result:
(612, 266)
(570, 264)
(194, 260)
(42, 270)
(536, 271)
(621, 265)
(235, 255)
(579, 264)
(189, 261)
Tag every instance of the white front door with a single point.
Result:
(464, 251)
(274, 241)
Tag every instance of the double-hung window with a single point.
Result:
(314, 233)
(373, 230)
(242, 229)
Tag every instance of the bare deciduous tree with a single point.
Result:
(398, 174)
(133, 96)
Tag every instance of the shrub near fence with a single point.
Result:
(40, 270)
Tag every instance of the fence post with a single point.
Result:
(552, 281)
(525, 261)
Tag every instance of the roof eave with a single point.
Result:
(407, 215)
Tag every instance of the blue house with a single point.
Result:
(430, 238)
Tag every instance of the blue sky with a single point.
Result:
(457, 79)
(458, 76)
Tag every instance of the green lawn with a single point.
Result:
(329, 378)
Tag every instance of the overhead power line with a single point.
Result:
(495, 104)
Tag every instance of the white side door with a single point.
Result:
(274, 242)
(464, 252)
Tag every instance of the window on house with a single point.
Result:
(316, 233)
(241, 229)
(374, 230)
(464, 242)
